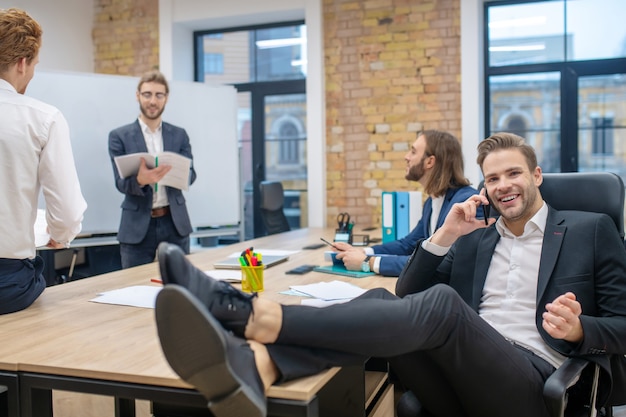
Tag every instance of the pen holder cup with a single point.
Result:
(252, 278)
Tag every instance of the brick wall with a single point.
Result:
(126, 36)
(392, 68)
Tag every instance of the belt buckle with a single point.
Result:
(158, 212)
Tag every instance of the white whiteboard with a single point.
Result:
(95, 104)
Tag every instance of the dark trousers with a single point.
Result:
(161, 229)
(439, 348)
(21, 282)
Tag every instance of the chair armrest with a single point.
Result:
(555, 388)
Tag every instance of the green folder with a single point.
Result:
(341, 270)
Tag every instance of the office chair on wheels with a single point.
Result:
(272, 201)
(575, 383)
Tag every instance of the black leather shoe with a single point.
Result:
(219, 365)
(228, 305)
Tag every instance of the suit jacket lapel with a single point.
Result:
(168, 139)
(552, 241)
(486, 248)
(140, 141)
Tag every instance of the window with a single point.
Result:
(267, 66)
(213, 63)
(555, 73)
(289, 144)
(264, 53)
(602, 135)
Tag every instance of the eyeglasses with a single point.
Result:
(148, 95)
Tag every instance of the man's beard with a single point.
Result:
(148, 115)
(416, 172)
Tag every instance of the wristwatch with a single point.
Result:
(365, 266)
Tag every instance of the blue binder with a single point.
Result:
(402, 214)
(389, 221)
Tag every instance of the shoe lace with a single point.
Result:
(235, 297)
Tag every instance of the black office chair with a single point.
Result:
(272, 201)
(576, 381)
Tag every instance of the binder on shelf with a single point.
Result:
(402, 214)
(415, 208)
(389, 208)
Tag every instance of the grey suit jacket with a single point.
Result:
(582, 253)
(137, 203)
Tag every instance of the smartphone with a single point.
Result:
(300, 270)
(487, 208)
(314, 246)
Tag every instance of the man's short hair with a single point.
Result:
(505, 140)
(20, 37)
(153, 76)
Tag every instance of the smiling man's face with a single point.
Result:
(512, 187)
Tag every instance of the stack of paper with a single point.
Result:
(135, 296)
(326, 293)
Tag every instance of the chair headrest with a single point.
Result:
(272, 196)
(599, 192)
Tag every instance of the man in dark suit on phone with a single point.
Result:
(486, 314)
(150, 214)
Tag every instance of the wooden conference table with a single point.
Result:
(64, 342)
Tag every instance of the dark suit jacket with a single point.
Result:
(401, 249)
(137, 203)
(582, 253)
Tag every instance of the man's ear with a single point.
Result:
(21, 65)
(538, 175)
(430, 161)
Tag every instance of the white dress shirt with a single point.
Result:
(154, 143)
(509, 299)
(35, 154)
(437, 203)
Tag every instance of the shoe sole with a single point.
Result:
(195, 346)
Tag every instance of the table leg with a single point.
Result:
(124, 407)
(10, 398)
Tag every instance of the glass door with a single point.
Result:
(285, 151)
(273, 147)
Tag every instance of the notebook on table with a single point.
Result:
(233, 262)
(341, 270)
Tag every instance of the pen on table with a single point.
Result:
(156, 164)
(328, 243)
(156, 280)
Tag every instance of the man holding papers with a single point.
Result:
(36, 156)
(152, 163)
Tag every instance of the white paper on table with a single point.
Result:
(42, 237)
(225, 275)
(136, 296)
(334, 290)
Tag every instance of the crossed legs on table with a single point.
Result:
(438, 346)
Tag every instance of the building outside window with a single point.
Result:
(556, 74)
